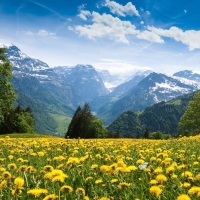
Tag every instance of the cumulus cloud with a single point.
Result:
(191, 37)
(150, 36)
(84, 14)
(107, 25)
(116, 8)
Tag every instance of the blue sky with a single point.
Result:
(121, 35)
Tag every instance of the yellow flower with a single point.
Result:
(114, 180)
(104, 168)
(40, 153)
(66, 189)
(132, 168)
(139, 162)
(86, 198)
(12, 166)
(94, 166)
(158, 170)
(50, 197)
(161, 178)
(186, 174)
(155, 190)
(6, 175)
(22, 168)
(80, 191)
(170, 170)
(16, 192)
(183, 197)
(198, 176)
(48, 168)
(98, 181)
(20, 160)
(123, 185)
(186, 185)
(10, 157)
(121, 163)
(19, 182)
(37, 192)
(2, 184)
(153, 182)
(194, 190)
(88, 178)
(59, 178)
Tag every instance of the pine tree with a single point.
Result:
(74, 126)
(146, 134)
(86, 118)
(7, 94)
(190, 121)
(85, 125)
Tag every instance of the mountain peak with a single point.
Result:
(189, 74)
(23, 63)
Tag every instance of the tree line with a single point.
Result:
(12, 120)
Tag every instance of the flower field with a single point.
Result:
(117, 169)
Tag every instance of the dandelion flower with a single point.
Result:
(183, 197)
(2, 184)
(6, 175)
(161, 178)
(50, 197)
(98, 181)
(12, 166)
(114, 180)
(155, 190)
(19, 182)
(80, 191)
(37, 192)
(66, 189)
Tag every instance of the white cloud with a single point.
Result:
(116, 8)
(82, 6)
(119, 67)
(28, 33)
(148, 13)
(142, 22)
(42, 32)
(150, 36)
(107, 25)
(191, 37)
(84, 14)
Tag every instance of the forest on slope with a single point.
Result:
(163, 117)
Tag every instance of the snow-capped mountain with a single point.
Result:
(84, 78)
(156, 87)
(189, 74)
(128, 85)
(110, 81)
(69, 87)
(70, 84)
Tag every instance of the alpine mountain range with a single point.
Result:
(54, 93)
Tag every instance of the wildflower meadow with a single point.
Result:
(117, 169)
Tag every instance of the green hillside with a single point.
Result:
(163, 116)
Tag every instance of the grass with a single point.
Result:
(26, 135)
(63, 122)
